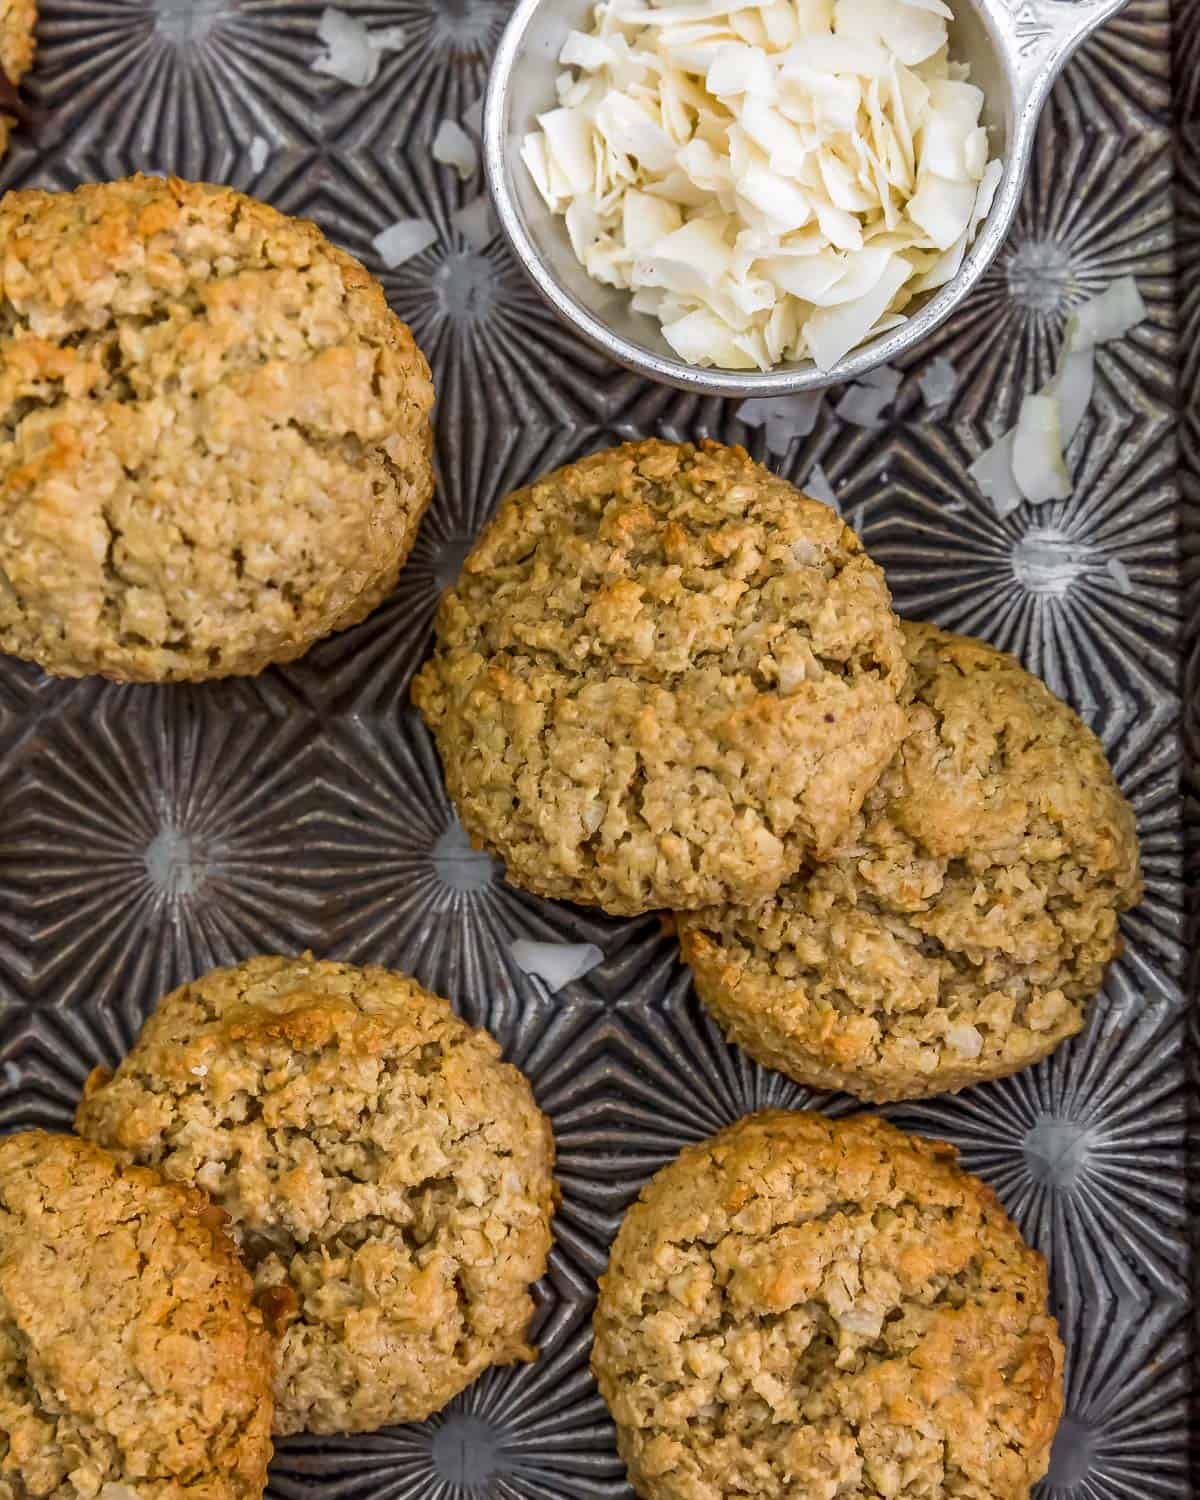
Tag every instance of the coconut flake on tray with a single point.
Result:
(772, 181)
(1029, 462)
(352, 53)
(476, 222)
(555, 964)
(402, 240)
(453, 147)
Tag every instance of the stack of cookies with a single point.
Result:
(897, 862)
(311, 1199)
(668, 679)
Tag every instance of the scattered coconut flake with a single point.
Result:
(883, 378)
(1119, 574)
(472, 118)
(392, 38)
(939, 383)
(992, 471)
(822, 161)
(818, 486)
(352, 53)
(556, 964)
(453, 147)
(1059, 407)
(786, 418)
(404, 239)
(1108, 316)
(1072, 389)
(260, 150)
(1037, 455)
(863, 405)
(476, 222)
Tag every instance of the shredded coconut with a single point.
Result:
(352, 53)
(404, 239)
(556, 964)
(453, 147)
(772, 180)
(1029, 462)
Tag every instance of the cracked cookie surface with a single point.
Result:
(827, 1308)
(18, 23)
(215, 444)
(133, 1363)
(664, 674)
(387, 1177)
(971, 915)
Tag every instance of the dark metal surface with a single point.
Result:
(147, 834)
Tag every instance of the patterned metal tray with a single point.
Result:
(147, 834)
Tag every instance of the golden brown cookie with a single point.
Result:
(133, 1363)
(216, 445)
(387, 1177)
(971, 915)
(18, 20)
(664, 676)
(811, 1307)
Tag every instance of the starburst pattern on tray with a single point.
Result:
(636, 1087)
(438, 71)
(156, 839)
(408, 890)
(1097, 206)
(1124, 1432)
(147, 834)
(180, 85)
(1121, 77)
(1086, 1151)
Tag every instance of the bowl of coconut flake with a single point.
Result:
(766, 198)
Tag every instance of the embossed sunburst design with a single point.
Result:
(145, 834)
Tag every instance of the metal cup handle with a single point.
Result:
(1040, 35)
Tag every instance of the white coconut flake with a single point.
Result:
(556, 964)
(833, 331)
(966, 1040)
(453, 147)
(1059, 407)
(1072, 389)
(864, 405)
(939, 383)
(992, 471)
(404, 239)
(1109, 316)
(352, 53)
(1037, 455)
(476, 222)
(260, 151)
(831, 147)
(1119, 574)
(818, 486)
(785, 418)
(472, 117)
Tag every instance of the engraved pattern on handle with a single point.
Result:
(1042, 34)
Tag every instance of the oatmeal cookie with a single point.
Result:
(133, 1363)
(18, 20)
(664, 676)
(961, 931)
(215, 445)
(804, 1306)
(387, 1177)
